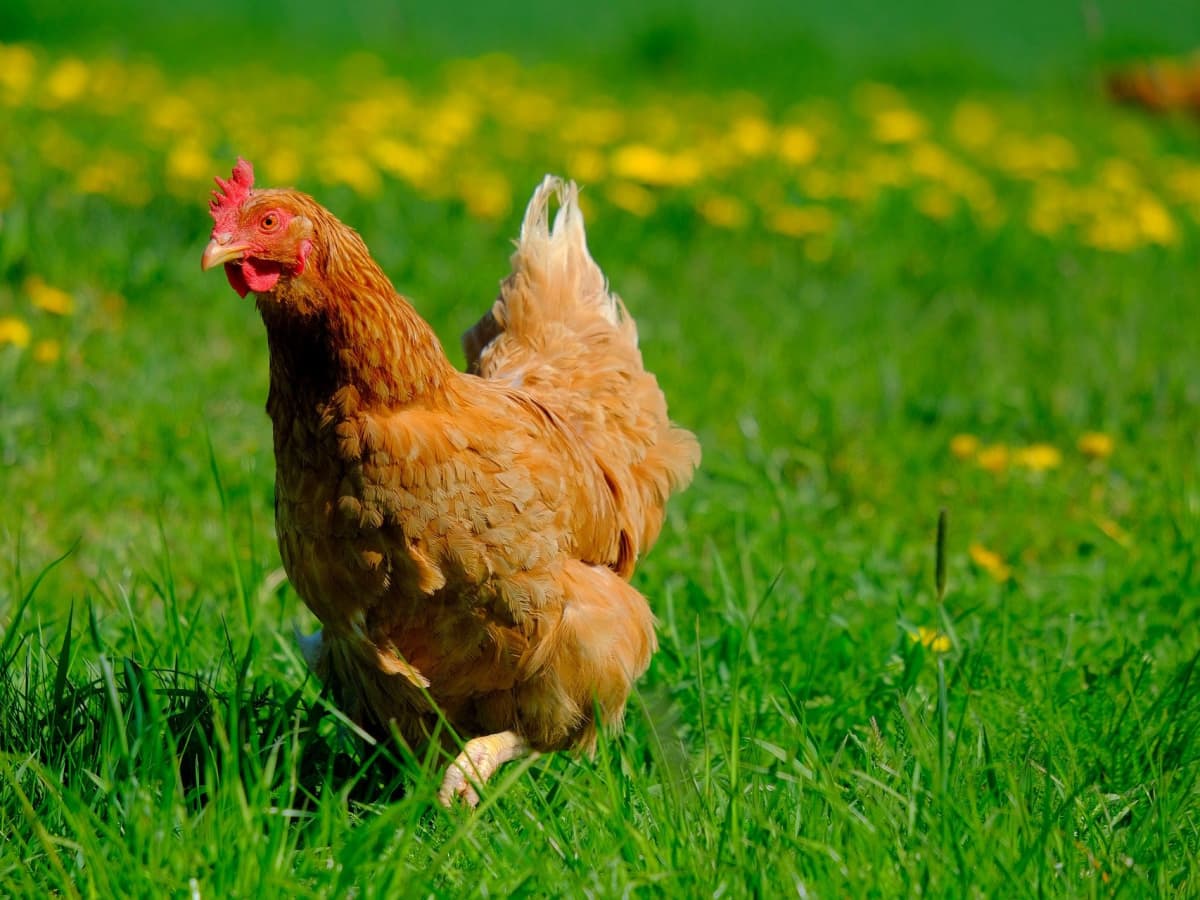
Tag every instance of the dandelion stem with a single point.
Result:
(940, 557)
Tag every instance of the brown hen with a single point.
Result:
(465, 539)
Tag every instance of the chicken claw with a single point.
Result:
(480, 759)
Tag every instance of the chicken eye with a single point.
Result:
(269, 222)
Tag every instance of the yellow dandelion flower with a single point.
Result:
(795, 221)
(451, 122)
(964, 446)
(723, 211)
(1038, 457)
(648, 165)
(1155, 222)
(751, 135)
(47, 351)
(114, 174)
(1047, 216)
(594, 127)
(284, 165)
(936, 202)
(632, 198)
(587, 165)
(993, 457)
(1120, 176)
(488, 195)
(1112, 231)
(531, 110)
(973, 125)
(931, 639)
(51, 299)
(1183, 179)
(172, 114)
(17, 68)
(189, 162)
(797, 145)
(1056, 153)
(14, 331)
(990, 562)
(66, 82)
(402, 160)
(930, 161)
(1095, 445)
(897, 126)
(96, 179)
(371, 115)
(1032, 157)
(353, 171)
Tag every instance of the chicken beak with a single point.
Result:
(216, 253)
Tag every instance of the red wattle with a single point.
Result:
(233, 271)
(260, 274)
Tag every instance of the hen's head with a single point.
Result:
(260, 236)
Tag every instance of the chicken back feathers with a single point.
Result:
(467, 539)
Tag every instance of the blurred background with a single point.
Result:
(1021, 41)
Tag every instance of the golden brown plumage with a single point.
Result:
(465, 539)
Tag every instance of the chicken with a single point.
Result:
(466, 539)
(1161, 85)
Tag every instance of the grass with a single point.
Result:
(826, 715)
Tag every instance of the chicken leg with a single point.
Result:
(479, 760)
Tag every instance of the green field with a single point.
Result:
(884, 265)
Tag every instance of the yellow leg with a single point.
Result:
(479, 760)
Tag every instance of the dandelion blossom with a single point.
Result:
(47, 351)
(631, 197)
(897, 126)
(964, 446)
(990, 562)
(795, 221)
(46, 297)
(1155, 222)
(67, 82)
(930, 638)
(1038, 457)
(797, 145)
(723, 211)
(641, 162)
(14, 331)
(993, 457)
(1095, 445)
(973, 125)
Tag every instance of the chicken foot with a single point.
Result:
(479, 760)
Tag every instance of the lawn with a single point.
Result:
(883, 267)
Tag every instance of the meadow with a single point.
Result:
(878, 286)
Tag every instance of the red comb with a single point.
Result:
(230, 194)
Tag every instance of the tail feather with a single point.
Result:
(563, 281)
(558, 333)
(562, 251)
